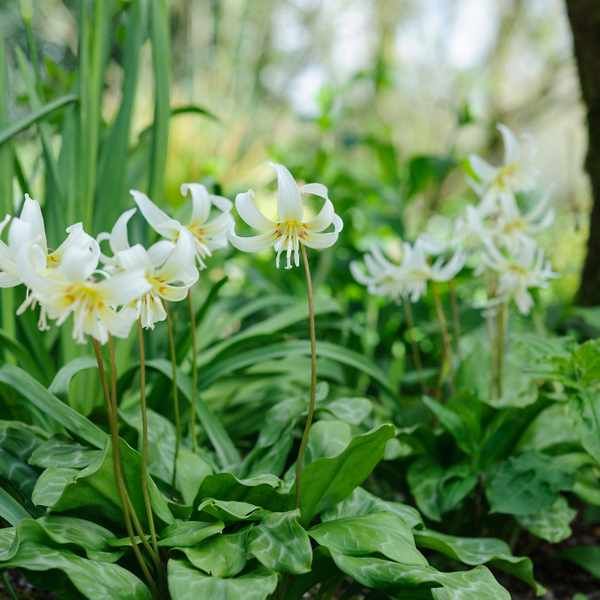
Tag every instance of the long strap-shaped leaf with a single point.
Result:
(10, 510)
(35, 116)
(218, 436)
(35, 393)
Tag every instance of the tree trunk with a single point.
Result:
(584, 17)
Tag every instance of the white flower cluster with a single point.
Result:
(495, 238)
(106, 294)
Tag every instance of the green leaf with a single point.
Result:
(261, 490)
(220, 556)
(326, 439)
(187, 583)
(229, 511)
(31, 549)
(51, 406)
(10, 510)
(327, 481)
(37, 115)
(526, 484)
(553, 426)
(62, 380)
(586, 557)
(552, 523)
(361, 502)
(62, 453)
(188, 533)
(351, 410)
(479, 551)
(476, 584)
(438, 490)
(384, 533)
(90, 536)
(281, 544)
(218, 436)
(584, 409)
(453, 423)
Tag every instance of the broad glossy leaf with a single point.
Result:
(95, 580)
(383, 533)
(453, 423)
(584, 409)
(361, 502)
(229, 511)
(188, 533)
(280, 543)
(526, 484)
(10, 510)
(479, 551)
(58, 452)
(187, 583)
(327, 438)
(476, 584)
(222, 555)
(262, 490)
(62, 380)
(551, 524)
(553, 426)
(327, 481)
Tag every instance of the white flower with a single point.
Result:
(291, 227)
(380, 276)
(518, 273)
(75, 287)
(27, 228)
(208, 235)
(417, 271)
(409, 279)
(514, 175)
(169, 268)
(513, 228)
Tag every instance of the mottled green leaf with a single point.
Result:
(57, 452)
(361, 502)
(229, 511)
(479, 551)
(327, 438)
(551, 523)
(350, 410)
(526, 484)
(221, 555)
(187, 583)
(476, 584)
(383, 533)
(188, 533)
(280, 543)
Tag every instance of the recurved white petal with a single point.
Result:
(249, 212)
(512, 148)
(484, 171)
(289, 200)
(32, 213)
(323, 219)
(316, 189)
(160, 251)
(318, 241)
(123, 288)
(180, 266)
(157, 219)
(134, 258)
(254, 243)
(119, 240)
(200, 201)
(79, 262)
(174, 293)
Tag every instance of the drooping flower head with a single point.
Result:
(380, 276)
(515, 174)
(169, 268)
(208, 234)
(292, 226)
(76, 287)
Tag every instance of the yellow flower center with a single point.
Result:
(52, 260)
(505, 174)
(514, 226)
(198, 232)
(159, 285)
(86, 295)
(290, 229)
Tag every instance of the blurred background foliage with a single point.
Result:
(383, 101)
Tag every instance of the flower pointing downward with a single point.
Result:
(291, 228)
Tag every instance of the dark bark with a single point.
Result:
(584, 17)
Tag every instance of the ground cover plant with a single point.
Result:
(252, 393)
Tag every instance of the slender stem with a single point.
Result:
(145, 445)
(446, 342)
(117, 466)
(456, 329)
(416, 354)
(175, 392)
(134, 518)
(501, 326)
(313, 375)
(194, 372)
